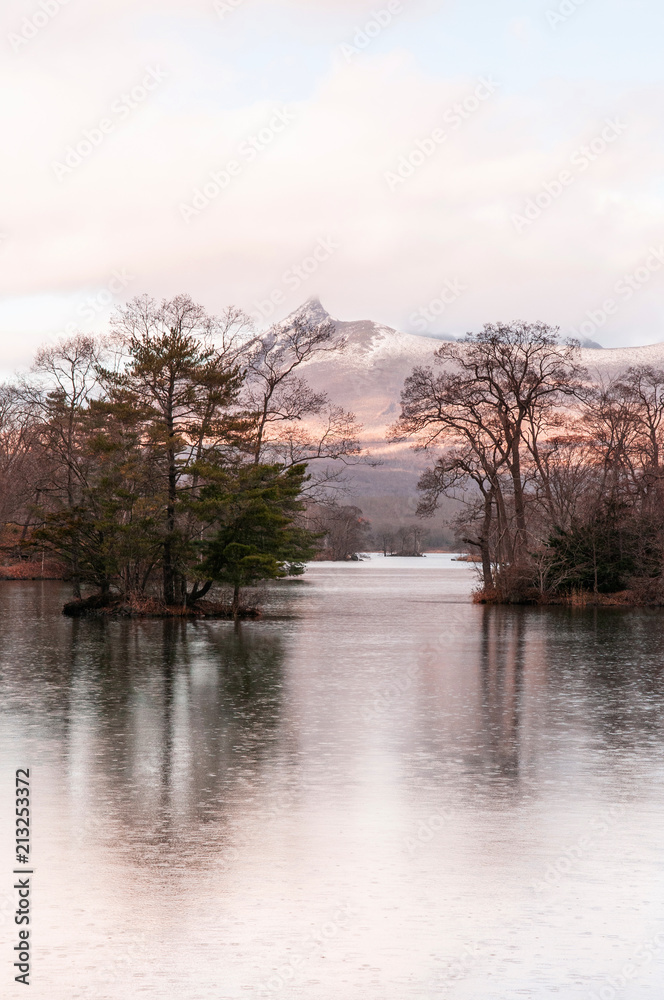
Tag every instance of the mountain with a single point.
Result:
(450, 336)
(367, 378)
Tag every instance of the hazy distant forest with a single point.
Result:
(183, 451)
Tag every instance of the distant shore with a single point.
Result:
(642, 598)
(47, 569)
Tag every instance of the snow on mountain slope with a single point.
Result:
(613, 360)
(368, 375)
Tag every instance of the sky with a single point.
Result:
(429, 165)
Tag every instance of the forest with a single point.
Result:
(182, 455)
(178, 452)
(559, 476)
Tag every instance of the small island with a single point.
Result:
(178, 459)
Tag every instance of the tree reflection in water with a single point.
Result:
(181, 716)
(502, 661)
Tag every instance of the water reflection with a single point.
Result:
(376, 741)
(183, 716)
(155, 724)
(611, 661)
(502, 663)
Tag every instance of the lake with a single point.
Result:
(379, 791)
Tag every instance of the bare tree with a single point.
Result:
(274, 391)
(450, 477)
(292, 422)
(19, 465)
(62, 380)
(642, 388)
(498, 399)
(343, 528)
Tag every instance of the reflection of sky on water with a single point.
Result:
(467, 798)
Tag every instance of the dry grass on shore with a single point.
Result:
(643, 595)
(49, 569)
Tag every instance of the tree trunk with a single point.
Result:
(169, 582)
(505, 550)
(198, 592)
(71, 500)
(75, 579)
(170, 596)
(236, 600)
(520, 535)
(595, 587)
(484, 539)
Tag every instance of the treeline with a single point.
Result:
(561, 476)
(179, 451)
(345, 534)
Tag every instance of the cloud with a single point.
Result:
(323, 175)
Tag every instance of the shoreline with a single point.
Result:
(48, 570)
(97, 606)
(620, 599)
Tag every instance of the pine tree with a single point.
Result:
(259, 537)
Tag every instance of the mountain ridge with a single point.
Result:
(368, 374)
(367, 377)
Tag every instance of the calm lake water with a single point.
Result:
(378, 792)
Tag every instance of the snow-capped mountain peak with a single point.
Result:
(311, 311)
